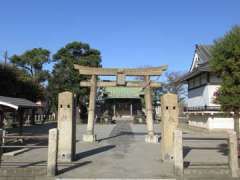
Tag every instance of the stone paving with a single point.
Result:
(121, 152)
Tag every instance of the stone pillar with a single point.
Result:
(114, 110)
(27, 122)
(52, 152)
(32, 119)
(90, 136)
(178, 153)
(66, 127)
(20, 120)
(150, 137)
(3, 134)
(1, 118)
(233, 154)
(41, 118)
(169, 123)
(1, 149)
(131, 109)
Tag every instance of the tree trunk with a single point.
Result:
(236, 128)
(32, 118)
(236, 123)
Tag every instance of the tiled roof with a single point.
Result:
(201, 68)
(17, 102)
(204, 53)
(123, 92)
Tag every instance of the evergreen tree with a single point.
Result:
(64, 76)
(32, 62)
(226, 63)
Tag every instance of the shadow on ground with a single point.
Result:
(77, 165)
(34, 164)
(38, 136)
(125, 133)
(38, 129)
(93, 152)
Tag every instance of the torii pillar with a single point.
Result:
(90, 136)
(150, 137)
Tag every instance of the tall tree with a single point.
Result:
(64, 76)
(32, 61)
(15, 82)
(226, 63)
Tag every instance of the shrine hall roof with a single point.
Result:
(123, 92)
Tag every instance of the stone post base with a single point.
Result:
(152, 139)
(65, 158)
(89, 138)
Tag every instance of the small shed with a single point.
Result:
(18, 105)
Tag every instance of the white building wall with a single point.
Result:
(205, 96)
(197, 97)
(202, 96)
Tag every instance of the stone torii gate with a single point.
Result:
(121, 75)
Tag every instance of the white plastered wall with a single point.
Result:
(198, 97)
(211, 122)
(202, 96)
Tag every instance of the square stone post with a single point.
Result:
(1, 117)
(66, 127)
(3, 134)
(114, 110)
(90, 136)
(169, 123)
(52, 152)
(150, 137)
(233, 154)
(178, 153)
(32, 119)
(20, 113)
(1, 143)
(131, 109)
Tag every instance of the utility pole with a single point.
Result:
(5, 56)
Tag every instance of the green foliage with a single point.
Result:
(15, 82)
(32, 62)
(64, 76)
(226, 63)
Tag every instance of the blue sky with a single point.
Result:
(129, 33)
